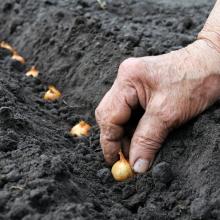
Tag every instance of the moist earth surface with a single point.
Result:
(77, 46)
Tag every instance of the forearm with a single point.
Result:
(211, 29)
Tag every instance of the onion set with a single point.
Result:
(7, 46)
(32, 72)
(80, 129)
(18, 57)
(122, 170)
(52, 94)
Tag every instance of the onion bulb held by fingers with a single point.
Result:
(80, 129)
(52, 94)
(121, 170)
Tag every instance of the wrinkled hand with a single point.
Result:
(171, 88)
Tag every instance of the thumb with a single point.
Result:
(146, 141)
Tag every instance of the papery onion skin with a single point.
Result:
(52, 94)
(32, 72)
(7, 46)
(80, 129)
(18, 57)
(122, 170)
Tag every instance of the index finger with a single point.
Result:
(112, 113)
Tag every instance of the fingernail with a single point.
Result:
(141, 166)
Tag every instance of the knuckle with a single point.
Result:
(127, 62)
(128, 67)
(98, 113)
(111, 132)
(147, 142)
(170, 117)
(167, 110)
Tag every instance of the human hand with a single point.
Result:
(171, 89)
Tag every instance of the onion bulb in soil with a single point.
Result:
(122, 170)
(7, 46)
(80, 129)
(18, 57)
(52, 94)
(32, 72)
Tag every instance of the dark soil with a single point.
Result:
(77, 46)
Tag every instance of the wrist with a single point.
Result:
(207, 56)
(211, 36)
(207, 53)
(211, 29)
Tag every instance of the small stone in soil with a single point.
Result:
(104, 175)
(162, 173)
(13, 176)
(5, 113)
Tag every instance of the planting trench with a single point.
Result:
(77, 46)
